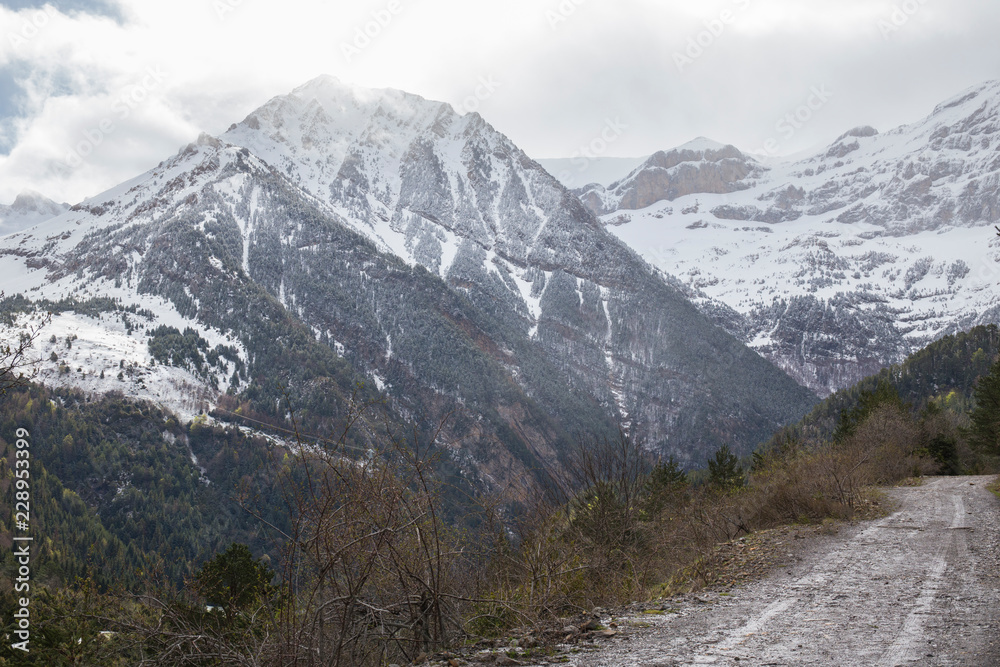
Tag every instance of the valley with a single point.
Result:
(359, 310)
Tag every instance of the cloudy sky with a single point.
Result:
(93, 92)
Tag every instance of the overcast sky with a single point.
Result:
(93, 92)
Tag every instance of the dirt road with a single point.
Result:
(920, 587)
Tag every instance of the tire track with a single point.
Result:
(917, 587)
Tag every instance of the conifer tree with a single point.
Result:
(235, 581)
(724, 470)
(869, 400)
(985, 430)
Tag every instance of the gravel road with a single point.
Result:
(920, 587)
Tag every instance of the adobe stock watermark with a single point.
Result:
(22, 541)
(698, 44)
(900, 16)
(483, 91)
(370, 31)
(795, 120)
(562, 13)
(31, 27)
(225, 7)
(595, 148)
(122, 108)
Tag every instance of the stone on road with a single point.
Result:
(919, 587)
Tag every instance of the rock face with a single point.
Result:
(339, 235)
(847, 260)
(699, 166)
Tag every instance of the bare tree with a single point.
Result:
(371, 572)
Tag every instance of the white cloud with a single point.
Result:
(560, 81)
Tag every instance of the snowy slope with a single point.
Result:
(411, 174)
(339, 235)
(452, 194)
(883, 242)
(63, 262)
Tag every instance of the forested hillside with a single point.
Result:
(944, 372)
(120, 486)
(936, 387)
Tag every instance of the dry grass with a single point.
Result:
(373, 575)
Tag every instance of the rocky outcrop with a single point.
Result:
(846, 260)
(701, 166)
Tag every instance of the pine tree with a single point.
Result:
(235, 581)
(667, 475)
(985, 430)
(724, 470)
(665, 484)
(869, 400)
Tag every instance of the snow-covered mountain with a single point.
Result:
(339, 235)
(29, 208)
(838, 264)
(698, 166)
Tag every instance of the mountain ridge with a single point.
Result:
(843, 261)
(464, 281)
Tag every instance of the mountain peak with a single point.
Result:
(329, 90)
(29, 208)
(699, 166)
(700, 145)
(32, 201)
(696, 150)
(326, 117)
(320, 82)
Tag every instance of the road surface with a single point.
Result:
(919, 587)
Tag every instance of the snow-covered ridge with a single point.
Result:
(109, 351)
(888, 232)
(305, 229)
(420, 180)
